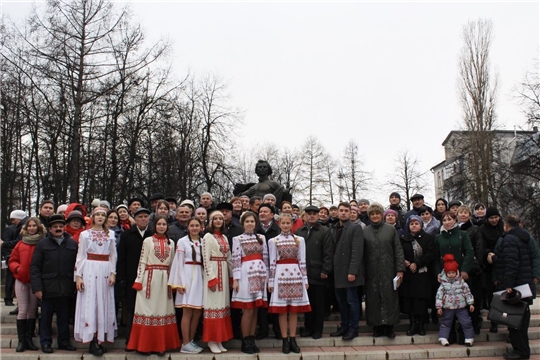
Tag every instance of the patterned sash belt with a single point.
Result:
(287, 261)
(97, 257)
(252, 257)
(219, 259)
(193, 263)
(150, 269)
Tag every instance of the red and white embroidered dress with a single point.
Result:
(217, 324)
(250, 268)
(154, 323)
(95, 311)
(187, 273)
(288, 274)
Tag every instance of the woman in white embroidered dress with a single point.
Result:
(288, 281)
(250, 273)
(154, 323)
(187, 278)
(217, 326)
(95, 274)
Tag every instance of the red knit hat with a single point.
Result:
(449, 263)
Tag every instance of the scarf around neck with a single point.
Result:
(31, 239)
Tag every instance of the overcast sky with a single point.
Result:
(384, 74)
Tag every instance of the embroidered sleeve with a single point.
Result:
(265, 255)
(147, 245)
(209, 268)
(81, 255)
(176, 276)
(272, 254)
(302, 259)
(236, 258)
(112, 252)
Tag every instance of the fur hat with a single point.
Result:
(375, 207)
(449, 263)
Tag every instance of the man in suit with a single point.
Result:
(348, 271)
(129, 253)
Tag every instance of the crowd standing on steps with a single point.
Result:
(175, 274)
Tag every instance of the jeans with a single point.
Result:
(349, 307)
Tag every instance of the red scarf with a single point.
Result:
(74, 232)
(125, 224)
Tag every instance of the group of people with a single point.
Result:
(255, 262)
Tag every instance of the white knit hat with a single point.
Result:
(17, 214)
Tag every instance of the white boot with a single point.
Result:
(444, 342)
(469, 342)
(214, 347)
(221, 347)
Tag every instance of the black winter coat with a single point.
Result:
(233, 230)
(319, 252)
(417, 285)
(129, 253)
(177, 231)
(348, 255)
(513, 260)
(53, 267)
(10, 236)
(477, 242)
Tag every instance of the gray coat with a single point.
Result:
(348, 255)
(384, 258)
(319, 252)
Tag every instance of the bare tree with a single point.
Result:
(407, 177)
(352, 178)
(312, 169)
(478, 92)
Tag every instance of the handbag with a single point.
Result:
(504, 313)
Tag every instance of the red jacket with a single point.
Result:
(20, 260)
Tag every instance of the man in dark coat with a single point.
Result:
(348, 271)
(45, 212)
(417, 201)
(395, 204)
(178, 229)
(51, 276)
(268, 228)
(10, 237)
(513, 266)
(129, 253)
(319, 253)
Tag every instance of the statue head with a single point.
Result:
(263, 168)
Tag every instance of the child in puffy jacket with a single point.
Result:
(452, 299)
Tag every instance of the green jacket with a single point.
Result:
(454, 242)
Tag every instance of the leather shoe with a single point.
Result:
(47, 349)
(351, 334)
(14, 311)
(339, 332)
(8, 302)
(67, 347)
(512, 355)
(390, 332)
(316, 336)
(306, 333)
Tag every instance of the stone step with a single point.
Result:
(10, 341)
(10, 328)
(429, 351)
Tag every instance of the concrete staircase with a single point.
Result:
(365, 347)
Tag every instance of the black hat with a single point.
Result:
(171, 199)
(76, 214)
(157, 196)
(396, 194)
(311, 208)
(416, 196)
(57, 218)
(512, 298)
(141, 210)
(224, 206)
(272, 209)
(454, 203)
(132, 200)
(492, 211)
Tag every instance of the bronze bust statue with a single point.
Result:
(264, 186)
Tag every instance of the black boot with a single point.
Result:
(21, 333)
(94, 348)
(390, 332)
(421, 326)
(494, 328)
(246, 347)
(285, 346)
(253, 345)
(14, 311)
(30, 328)
(412, 325)
(378, 331)
(294, 346)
